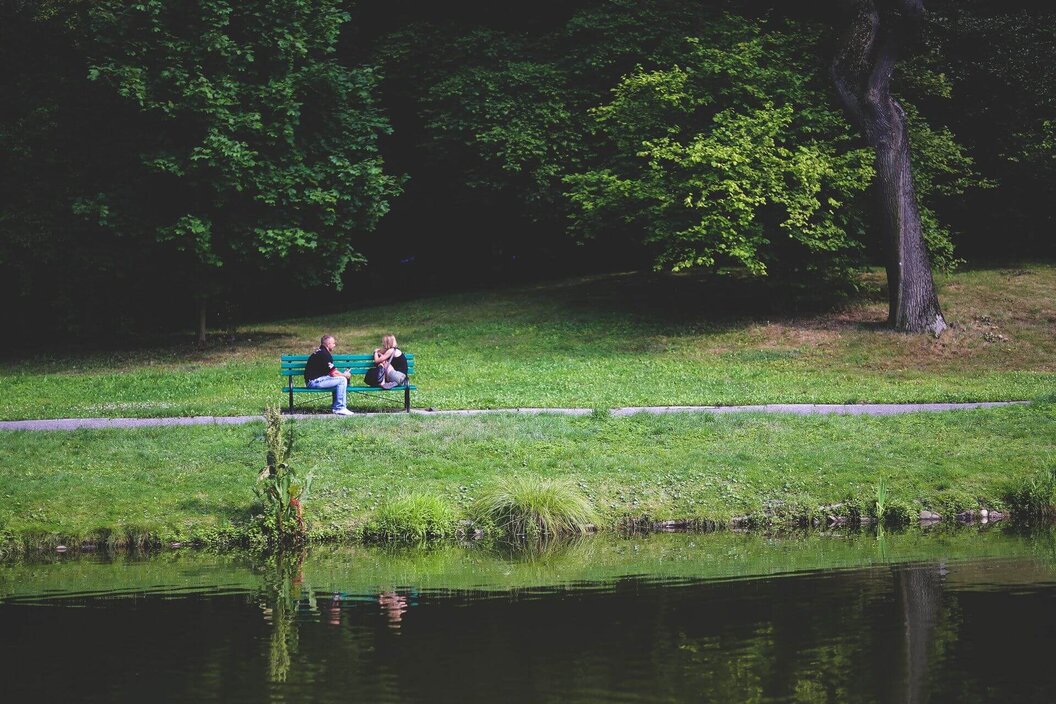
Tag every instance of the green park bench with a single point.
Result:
(358, 364)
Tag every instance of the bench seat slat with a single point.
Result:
(339, 365)
(355, 370)
(306, 390)
(302, 358)
(292, 371)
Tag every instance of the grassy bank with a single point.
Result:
(606, 341)
(195, 482)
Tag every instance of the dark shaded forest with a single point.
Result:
(176, 166)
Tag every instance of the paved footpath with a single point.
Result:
(871, 409)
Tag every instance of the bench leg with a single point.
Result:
(407, 399)
(291, 399)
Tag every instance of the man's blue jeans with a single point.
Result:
(337, 383)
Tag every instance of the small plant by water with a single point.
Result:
(412, 518)
(279, 488)
(530, 507)
(880, 504)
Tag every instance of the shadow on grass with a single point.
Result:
(169, 349)
(355, 403)
(872, 325)
(696, 300)
(235, 515)
(704, 299)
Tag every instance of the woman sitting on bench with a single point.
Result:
(391, 359)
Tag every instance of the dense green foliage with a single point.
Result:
(230, 142)
(157, 153)
(733, 148)
(711, 143)
(256, 142)
(997, 58)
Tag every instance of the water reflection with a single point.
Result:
(919, 589)
(673, 617)
(395, 606)
(281, 593)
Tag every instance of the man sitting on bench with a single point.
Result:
(320, 373)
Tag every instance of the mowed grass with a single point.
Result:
(179, 483)
(603, 341)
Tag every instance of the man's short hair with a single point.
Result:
(324, 338)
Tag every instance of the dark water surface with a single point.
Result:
(968, 616)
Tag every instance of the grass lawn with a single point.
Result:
(604, 341)
(178, 483)
(601, 342)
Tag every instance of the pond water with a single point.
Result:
(964, 615)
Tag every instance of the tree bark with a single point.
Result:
(861, 70)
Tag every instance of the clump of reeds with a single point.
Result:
(1033, 498)
(531, 507)
(412, 518)
(880, 503)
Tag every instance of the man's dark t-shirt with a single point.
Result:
(319, 364)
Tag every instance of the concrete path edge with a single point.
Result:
(872, 409)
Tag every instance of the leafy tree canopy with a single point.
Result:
(712, 138)
(254, 144)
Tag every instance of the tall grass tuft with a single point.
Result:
(600, 414)
(412, 518)
(880, 504)
(1033, 498)
(530, 507)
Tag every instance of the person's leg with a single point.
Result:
(338, 384)
(393, 378)
(340, 393)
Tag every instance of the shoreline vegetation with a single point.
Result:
(192, 485)
(603, 341)
(370, 569)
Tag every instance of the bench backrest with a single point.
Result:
(293, 364)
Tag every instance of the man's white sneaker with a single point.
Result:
(343, 412)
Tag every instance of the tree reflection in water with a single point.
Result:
(919, 591)
(887, 632)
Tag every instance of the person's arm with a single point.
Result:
(334, 372)
(380, 356)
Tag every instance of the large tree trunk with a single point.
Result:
(865, 60)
